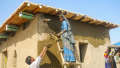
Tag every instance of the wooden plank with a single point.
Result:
(78, 17)
(69, 15)
(111, 26)
(86, 19)
(99, 23)
(114, 26)
(22, 21)
(29, 9)
(57, 12)
(73, 16)
(82, 18)
(53, 12)
(43, 9)
(48, 9)
(14, 20)
(38, 9)
(108, 25)
(93, 22)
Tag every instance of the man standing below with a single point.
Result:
(36, 63)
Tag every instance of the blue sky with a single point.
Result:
(108, 10)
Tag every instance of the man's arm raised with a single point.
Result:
(42, 54)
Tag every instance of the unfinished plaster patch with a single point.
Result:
(43, 36)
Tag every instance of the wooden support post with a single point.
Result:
(26, 15)
(11, 28)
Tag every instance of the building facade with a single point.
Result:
(33, 35)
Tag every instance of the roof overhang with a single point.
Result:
(38, 8)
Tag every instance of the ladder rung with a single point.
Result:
(61, 50)
(75, 63)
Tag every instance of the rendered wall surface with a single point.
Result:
(97, 38)
(52, 58)
(29, 42)
(23, 44)
(0, 60)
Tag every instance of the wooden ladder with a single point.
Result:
(77, 63)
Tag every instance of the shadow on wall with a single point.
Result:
(54, 62)
(54, 24)
(95, 34)
(82, 51)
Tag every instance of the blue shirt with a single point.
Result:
(64, 25)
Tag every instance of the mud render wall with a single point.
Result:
(29, 42)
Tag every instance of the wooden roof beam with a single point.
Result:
(111, 26)
(92, 22)
(86, 20)
(82, 18)
(58, 12)
(73, 16)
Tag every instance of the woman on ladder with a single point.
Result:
(67, 40)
